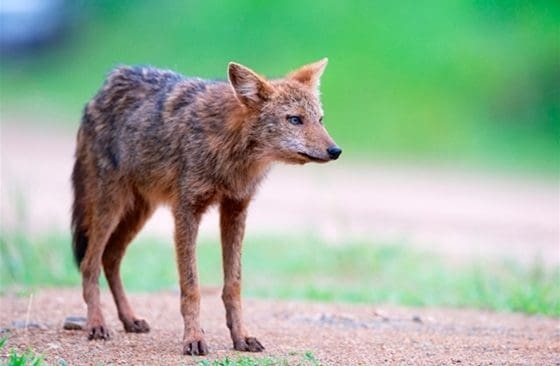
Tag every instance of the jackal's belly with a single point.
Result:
(159, 184)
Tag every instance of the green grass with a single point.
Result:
(307, 360)
(14, 358)
(304, 268)
(461, 80)
(27, 358)
(244, 361)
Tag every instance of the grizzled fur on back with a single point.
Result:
(152, 137)
(148, 131)
(148, 128)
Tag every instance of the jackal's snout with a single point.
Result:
(334, 152)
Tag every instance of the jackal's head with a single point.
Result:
(289, 117)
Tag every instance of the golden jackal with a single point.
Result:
(153, 137)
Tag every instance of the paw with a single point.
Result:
(136, 326)
(248, 344)
(195, 347)
(98, 332)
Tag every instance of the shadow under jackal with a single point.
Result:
(152, 137)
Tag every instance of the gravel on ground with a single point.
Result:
(336, 334)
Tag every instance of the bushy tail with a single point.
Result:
(79, 225)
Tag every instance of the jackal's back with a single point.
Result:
(126, 105)
(123, 142)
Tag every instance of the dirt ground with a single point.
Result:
(336, 334)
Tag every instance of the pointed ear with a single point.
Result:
(249, 87)
(310, 75)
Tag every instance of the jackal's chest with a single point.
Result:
(236, 185)
(243, 184)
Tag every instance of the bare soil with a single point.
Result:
(336, 334)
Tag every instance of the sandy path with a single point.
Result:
(461, 214)
(336, 334)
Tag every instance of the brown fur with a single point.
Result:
(152, 137)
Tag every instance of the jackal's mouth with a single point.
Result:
(313, 158)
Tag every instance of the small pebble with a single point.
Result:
(53, 345)
(74, 323)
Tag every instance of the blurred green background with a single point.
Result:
(465, 83)
(462, 81)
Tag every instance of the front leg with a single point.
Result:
(232, 223)
(187, 220)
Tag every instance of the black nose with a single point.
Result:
(334, 152)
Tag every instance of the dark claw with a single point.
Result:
(196, 348)
(248, 344)
(99, 332)
(137, 326)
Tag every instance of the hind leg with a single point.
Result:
(102, 224)
(131, 222)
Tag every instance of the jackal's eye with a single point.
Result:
(321, 120)
(295, 120)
